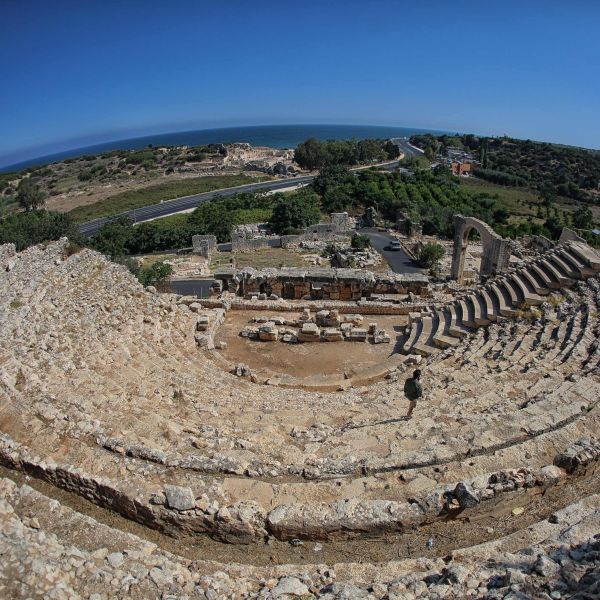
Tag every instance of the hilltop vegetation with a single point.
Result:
(551, 169)
(314, 154)
(111, 182)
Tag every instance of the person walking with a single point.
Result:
(413, 391)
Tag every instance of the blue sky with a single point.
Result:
(75, 73)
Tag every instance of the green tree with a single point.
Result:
(25, 229)
(156, 274)
(429, 255)
(295, 212)
(332, 176)
(583, 218)
(114, 238)
(29, 195)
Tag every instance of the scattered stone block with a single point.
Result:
(332, 335)
(242, 370)
(203, 323)
(354, 319)
(356, 334)
(309, 333)
(179, 498)
(268, 332)
(381, 337)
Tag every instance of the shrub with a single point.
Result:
(156, 274)
(429, 255)
(360, 242)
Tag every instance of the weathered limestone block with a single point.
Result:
(309, 333)
(268, 332)
(381, 337)
(202, 323)
(241, 523)
(179, 498)
(357, 334)
(578, 455)
(322, 520)
(354, 319)
(332, 335)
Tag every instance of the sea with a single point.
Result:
(274, 136)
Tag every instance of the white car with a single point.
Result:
(394, 246)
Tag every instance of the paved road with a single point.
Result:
(169, 207)
(399, 261)
(405, 147)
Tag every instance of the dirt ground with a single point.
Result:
(306, 359)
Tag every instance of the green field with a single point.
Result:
(518, 201)
(155, 193)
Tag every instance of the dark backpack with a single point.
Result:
(411, 389)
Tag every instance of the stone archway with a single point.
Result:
(496, 250)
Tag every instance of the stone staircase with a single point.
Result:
(503, 297)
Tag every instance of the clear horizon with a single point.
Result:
(86, 74)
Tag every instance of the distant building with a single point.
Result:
(461, 168)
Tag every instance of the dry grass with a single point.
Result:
(261, 259)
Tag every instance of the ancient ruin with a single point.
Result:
(137, 462)
(496, 250)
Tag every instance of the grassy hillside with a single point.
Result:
(155, 193)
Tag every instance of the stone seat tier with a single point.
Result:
(442, 339)
(587, 254)
(415, 330)
(529, 297)
(564, 266)
(548, 280)
(580, 264)
(479, 315)
(457, 328)
(503, 300)
(561, 279)
(491, 308)
(467, 312)
(533, 282)
(510, 288)
(423, 346)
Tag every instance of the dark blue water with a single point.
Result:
(275, 136)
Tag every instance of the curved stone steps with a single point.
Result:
(415, 330)
(457, 328)
(564, 266)
(492, 309)
(423, 345)
(479, 313)
(589, 256)
(529, 296)
(502, 300)
(467, 312)
(442, 338)
(510, 289)
(578, 264)
(548, 280)
(535, 284)
(560, 278)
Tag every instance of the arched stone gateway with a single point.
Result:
(496, 250)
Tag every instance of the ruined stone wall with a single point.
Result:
(241, 244)
(359, 308)
(204, 245)
(568, 235)
(319, 284)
